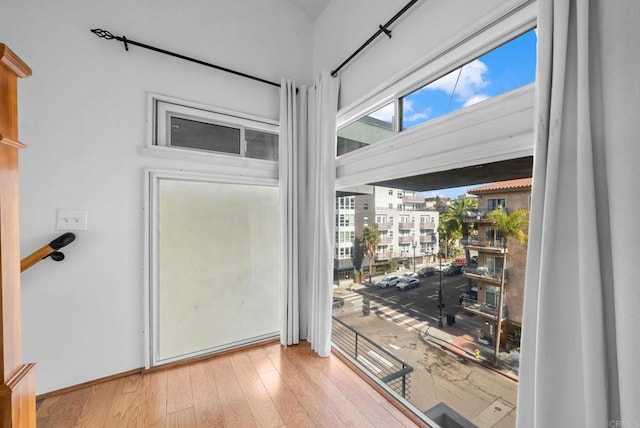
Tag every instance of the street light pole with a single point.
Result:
(415, 244)
(440, 296)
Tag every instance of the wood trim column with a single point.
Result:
(17, 391)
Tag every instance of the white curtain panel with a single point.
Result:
(307, 185)
(580, 336)
(321, 178)
(288, 173)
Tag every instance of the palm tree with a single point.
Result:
(369, 241)
(507, 226)
(452, 224)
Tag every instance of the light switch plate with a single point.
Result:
(71, 219)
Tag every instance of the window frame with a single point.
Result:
(158, 106)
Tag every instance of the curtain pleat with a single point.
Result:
(288, 171)
(307, 185)
(571, 372)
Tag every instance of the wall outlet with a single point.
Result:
(71, 219)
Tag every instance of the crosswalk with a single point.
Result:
(406, 317)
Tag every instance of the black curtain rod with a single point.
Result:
(381, 29)
(107, 35)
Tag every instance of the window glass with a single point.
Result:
(193, 134)
(505, 68)
(261, 145)
(369, 129)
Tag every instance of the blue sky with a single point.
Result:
(507, 67)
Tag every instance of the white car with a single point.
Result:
(389, 281)
(442, 267)
(408, 283)
(409, 275)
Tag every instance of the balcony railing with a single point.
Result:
(412, 200)
(484, 309)
(428, 238)
(478, 214)
(386, 255)
(384, 226)
(405, 226)
(427, 226)
(406, 239)
(483, 272)
(483, 242)
(386, 240)
(373, 358)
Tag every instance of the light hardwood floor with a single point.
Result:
(268, 386)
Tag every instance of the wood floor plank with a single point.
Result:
(260, 403)
(290, 409)
(179, 390)
(206, 402)
(355, 388)
(125, 411)
(312, 398)
(66, 412)
(98, 404)
(310, 363)
(185, 418)
(262, 387)
(235, 409)
(153, 408)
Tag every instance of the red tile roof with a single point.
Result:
(519, 184)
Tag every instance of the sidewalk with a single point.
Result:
(460, 339)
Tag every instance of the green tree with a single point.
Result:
(369, 241)
(506, 226)
(452, 225)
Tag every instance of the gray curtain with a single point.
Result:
(580, 330)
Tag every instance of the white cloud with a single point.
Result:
(410, 115)
(470, 82)
(386, 113)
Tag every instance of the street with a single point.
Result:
(398, 321)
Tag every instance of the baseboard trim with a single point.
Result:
(89, 383)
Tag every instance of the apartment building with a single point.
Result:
(500, 265)
(404, 221)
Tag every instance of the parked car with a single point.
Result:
(338, 302)
(426, 271)
(453, 270)
(442, 267)
(469, 295)
(407, 284)
(409, 275)
(389, 281)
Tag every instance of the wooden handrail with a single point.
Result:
(51, 249)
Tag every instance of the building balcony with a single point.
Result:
(484, 244)
(483, 309)
(385, 255)
(427, 226)
(406, 239)
(384, 226)
(480, 214)
(412, 200)
(387, 240)
(484, 274)
(426, 239)
(407, 226)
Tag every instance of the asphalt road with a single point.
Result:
(423, 300)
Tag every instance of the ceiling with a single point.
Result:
(313, 8)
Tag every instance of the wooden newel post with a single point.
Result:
(17, 391)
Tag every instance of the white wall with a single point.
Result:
(347, 24)
(83, 118)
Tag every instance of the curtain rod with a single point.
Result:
(381, 29)
(104, 34)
